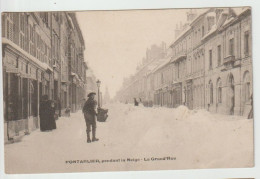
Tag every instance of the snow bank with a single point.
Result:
(197, 138)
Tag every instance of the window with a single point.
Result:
(178, 70)
(211, 92)
(247, 91)
(231, 47)
(219, 55)
(246, 43)
(210, 22)
(246, 86)
(161, 78)
(210, 59)
(202, 31)
(219, 91)
(10, 26)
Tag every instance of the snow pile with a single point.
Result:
(197, 138)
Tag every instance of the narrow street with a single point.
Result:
(196, 139)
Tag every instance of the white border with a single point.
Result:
(64, 5)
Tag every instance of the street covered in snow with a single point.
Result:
(137, 138)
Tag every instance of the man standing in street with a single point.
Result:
(89, 110)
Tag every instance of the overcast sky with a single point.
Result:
(116, 41)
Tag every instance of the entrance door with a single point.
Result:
(231, 94)
(25, 96)
(189, 96)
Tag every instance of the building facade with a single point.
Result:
(36, 62)
(208, 65)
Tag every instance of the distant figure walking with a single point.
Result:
(58, 106)
(136, 102)
(90, 114)
(53, 116)
(67, 111)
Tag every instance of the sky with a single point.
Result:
(116, 41)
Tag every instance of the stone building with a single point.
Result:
(228, 63)
(36, 62)
(136, 86)
(91, 82)
(208, 65)
(76, 64)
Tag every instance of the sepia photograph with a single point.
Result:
(127, 90)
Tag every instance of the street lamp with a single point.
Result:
(98, 85)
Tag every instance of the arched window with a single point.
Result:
(219, 91)
(246, 81)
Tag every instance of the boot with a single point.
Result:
(88, 137)
(94, 135)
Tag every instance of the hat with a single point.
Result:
(92, 93)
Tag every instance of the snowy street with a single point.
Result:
(196, 139)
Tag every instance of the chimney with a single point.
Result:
(191, 15)
(177, 31)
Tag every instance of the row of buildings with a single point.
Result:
(208, 65)
(42, 53)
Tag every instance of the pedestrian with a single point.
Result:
(44, 113)
(90, 114)
(58, 106)
(52, 115)
(67, 111)
(135, 102)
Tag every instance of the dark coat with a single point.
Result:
(47, 120)
(44, 115)
(89, 110)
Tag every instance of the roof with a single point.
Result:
(165, 62)
(212, 30)
(203, 11)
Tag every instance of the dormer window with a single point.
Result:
(211, 22)
(231, 47)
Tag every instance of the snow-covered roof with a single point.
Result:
(228, 21)
(181, 34)
(154, 66)
(165, 62)
(238, 10)
(202, 12)
(188, 27)
(212, 30)
(211, 14)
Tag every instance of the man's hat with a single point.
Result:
(92, 93)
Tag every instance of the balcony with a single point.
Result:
(180, 56)
(230, 62)
(229, 59)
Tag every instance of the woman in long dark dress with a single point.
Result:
(44, 113)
